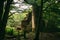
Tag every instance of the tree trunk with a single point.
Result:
(1, 8)
(38, 19)
(4, 20)
(1, 13)
(33, 23)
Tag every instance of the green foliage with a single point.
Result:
(38, 2)
(13, 31)
(51, 15)
(16, 19)
(13, 22)
(30, 1)
(9, 30)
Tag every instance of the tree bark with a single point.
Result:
(4, 20)
(1, 9)
(38, 19)
(33, 21)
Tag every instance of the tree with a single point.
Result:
(48, 18)
(26, 22)
(1, 9)
(38, 16)
(4, 19)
